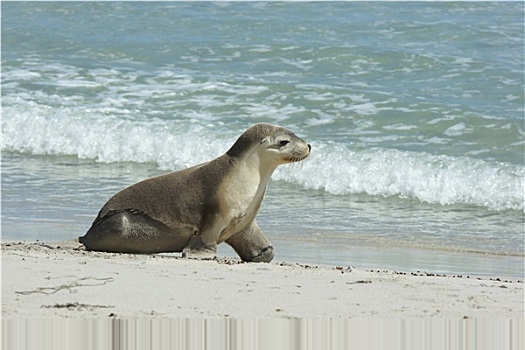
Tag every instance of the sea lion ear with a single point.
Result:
(264, 140)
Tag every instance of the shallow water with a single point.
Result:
(414, 111)
(57, 198)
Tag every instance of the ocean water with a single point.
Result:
(415, 112)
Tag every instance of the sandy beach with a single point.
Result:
(61, 279)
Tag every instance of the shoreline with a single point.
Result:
(369, 256)
(61, 280)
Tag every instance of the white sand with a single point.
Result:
(46, 280)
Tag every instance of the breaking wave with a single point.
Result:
(336, 168)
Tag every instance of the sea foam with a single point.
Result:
(438, 179)
(336, 168)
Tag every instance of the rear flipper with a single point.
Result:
(133, 231)
(252, 245)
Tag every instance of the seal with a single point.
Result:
(195, 209)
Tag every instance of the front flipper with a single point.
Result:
(252, 245)
(133, 231)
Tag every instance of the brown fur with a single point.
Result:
(178, 211)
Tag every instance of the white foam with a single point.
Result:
(456, 130)
(444, 180)
(400, 127)
(106, 138)
(367, 108)
(322, 120)
(339, 169)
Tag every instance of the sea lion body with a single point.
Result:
(195, 209)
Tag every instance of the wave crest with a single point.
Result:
(336, 168)
(436, 179)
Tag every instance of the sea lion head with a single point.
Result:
(273, 143)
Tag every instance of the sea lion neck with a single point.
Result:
(239, 147)
(250, 162)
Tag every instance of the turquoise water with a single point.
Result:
(415, 112)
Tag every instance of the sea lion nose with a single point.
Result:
(309, 148)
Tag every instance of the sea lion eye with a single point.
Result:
(284, 143)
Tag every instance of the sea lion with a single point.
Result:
(193, 210)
